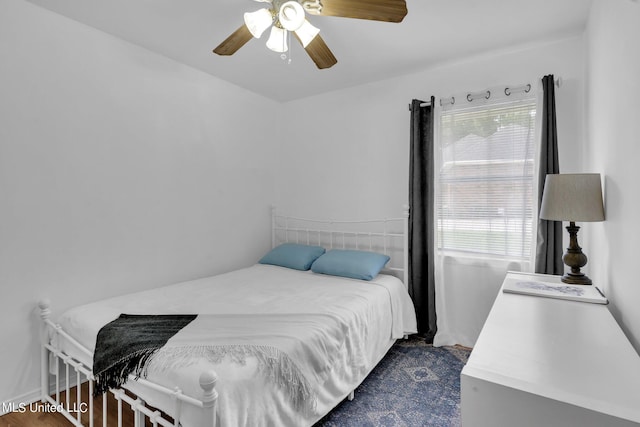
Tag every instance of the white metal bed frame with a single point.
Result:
(384, 235)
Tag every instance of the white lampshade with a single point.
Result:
(258, 21)
(291, 15)
(306, 33)
(572, 197)
(277, 40)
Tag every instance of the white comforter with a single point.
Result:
(370, 315)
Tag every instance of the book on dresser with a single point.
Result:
(583, 293)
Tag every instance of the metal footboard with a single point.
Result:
(81, 409)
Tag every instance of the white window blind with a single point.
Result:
(484, 197)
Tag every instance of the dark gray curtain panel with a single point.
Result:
(421, 218)
(549, 241)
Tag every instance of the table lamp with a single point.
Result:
(573, 197)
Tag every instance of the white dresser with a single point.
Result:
(545, 362)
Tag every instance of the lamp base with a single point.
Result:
(575, 259)
(576, 279)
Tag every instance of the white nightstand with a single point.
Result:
(550, 362)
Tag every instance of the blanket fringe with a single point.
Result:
(118, 373)
(275, 364)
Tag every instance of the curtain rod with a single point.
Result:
(424, 104)
(486, 94)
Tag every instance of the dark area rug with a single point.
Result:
(415, 385)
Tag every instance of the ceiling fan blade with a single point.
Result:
(320, 53)
(234, 42)
(374, 10)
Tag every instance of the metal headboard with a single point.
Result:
(388, 236)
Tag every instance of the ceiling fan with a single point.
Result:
(286, 17)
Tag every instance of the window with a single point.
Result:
(485, 192)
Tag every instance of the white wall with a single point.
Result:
(347, 152)
(613, 150)
(119, 170)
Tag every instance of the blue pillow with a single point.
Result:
(349, 263)
(293, 255)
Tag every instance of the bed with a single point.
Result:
(268, 345)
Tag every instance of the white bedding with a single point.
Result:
(371, 316)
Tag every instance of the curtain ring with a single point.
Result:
(470, 97)
(453, 101)
(527, 89)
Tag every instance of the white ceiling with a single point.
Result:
(433, 31)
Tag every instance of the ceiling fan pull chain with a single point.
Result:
(283, 55)
(290, 47)
(286, 40)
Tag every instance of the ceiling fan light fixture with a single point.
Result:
(306, 33)
(288, 16)
(257, 22)
(291, 15)
(278, 40)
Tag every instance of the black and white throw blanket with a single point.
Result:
(296, 352)
(124, 346)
